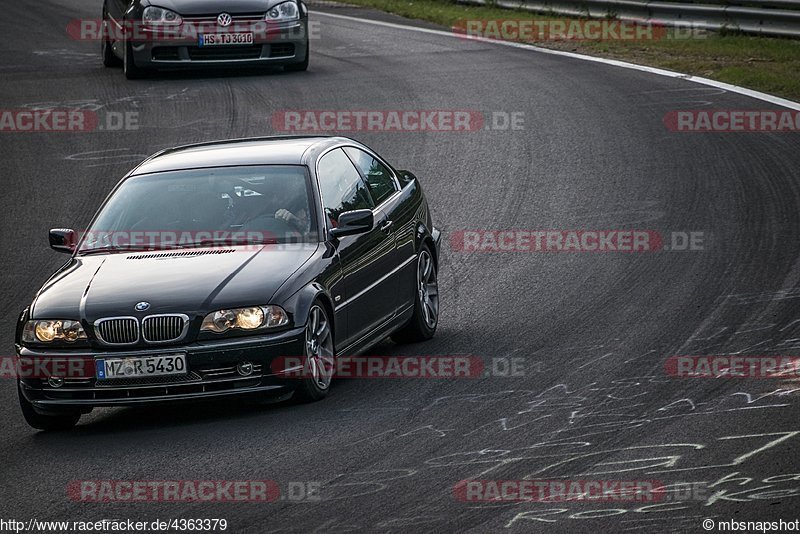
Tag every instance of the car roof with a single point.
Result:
(286, 150)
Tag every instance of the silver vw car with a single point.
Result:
(142, 36)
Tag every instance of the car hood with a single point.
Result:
(214, 7)
(193, 282)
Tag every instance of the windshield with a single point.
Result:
(207, 207)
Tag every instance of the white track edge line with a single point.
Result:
(778, 101)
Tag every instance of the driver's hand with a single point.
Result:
(286, 215)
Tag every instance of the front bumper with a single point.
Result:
(282, 45)
(211, 365)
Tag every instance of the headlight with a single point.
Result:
(245, 319)
(284, 11)
(47, 331)
(159, 16)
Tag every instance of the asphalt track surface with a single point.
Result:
(593, 329)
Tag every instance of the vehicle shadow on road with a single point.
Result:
(216, 73)
(144, 418)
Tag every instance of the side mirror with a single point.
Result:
(354, 222)
(63, 240)
(406, 177)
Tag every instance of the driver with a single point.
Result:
(298, 220)
(295, 210)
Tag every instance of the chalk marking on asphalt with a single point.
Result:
(778, 101)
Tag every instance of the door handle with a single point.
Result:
(386, 226)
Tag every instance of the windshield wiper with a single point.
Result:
(116, 248)
(227, 241)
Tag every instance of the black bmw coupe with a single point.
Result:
(208, 263)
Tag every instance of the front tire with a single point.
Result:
(298, 67)
(425, 318)
(319, 356)
(132, 72)
(109, 59)
(51, 423)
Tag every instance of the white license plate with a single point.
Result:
(225, 39)
(172, 364)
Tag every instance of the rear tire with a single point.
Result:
(51, 423)
(319, 356)
(132, 72)
(425, 318)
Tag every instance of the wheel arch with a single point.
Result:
(424, 237)
(304, 300)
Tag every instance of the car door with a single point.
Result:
(399, 208)
(367, 259)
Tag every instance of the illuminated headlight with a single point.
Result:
(47, 331)
(158, 16)
(283, 11)
(245, 319)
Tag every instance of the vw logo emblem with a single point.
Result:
(142, 306)
(224, 19)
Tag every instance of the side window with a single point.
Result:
(379, 178)
(341, 186)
